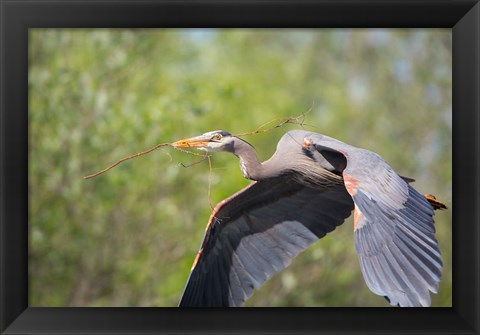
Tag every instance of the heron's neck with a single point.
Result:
(250, 165)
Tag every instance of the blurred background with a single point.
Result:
(129, 236)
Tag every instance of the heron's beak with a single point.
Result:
(193, 142)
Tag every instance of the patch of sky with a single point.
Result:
(378, 37)
(199, 35)
(300, 36)
(446, 115)
(357, 89)
(340, 37)
(402, 70)
(433, 94)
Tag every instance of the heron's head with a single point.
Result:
(217, 140)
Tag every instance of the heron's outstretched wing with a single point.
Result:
(256, 233)
(394, 227)
(397, 249)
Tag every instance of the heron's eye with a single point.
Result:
(217, 137)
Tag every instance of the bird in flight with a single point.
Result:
(310, 185)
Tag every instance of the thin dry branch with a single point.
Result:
(126, 158)
(281, 121)
(300, 120)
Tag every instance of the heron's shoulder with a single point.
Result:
(296, 135)
(355, 156)
(320, 140)
(326, 142)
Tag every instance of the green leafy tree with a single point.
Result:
(129, 236)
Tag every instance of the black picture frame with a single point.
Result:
(17, 16)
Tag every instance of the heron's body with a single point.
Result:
(306, 189)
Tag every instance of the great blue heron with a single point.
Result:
(305, 190)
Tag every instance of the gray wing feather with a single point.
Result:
(256, 233)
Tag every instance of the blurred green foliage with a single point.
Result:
(128, 237)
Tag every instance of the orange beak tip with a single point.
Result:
(179, 144)
(189, 143)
